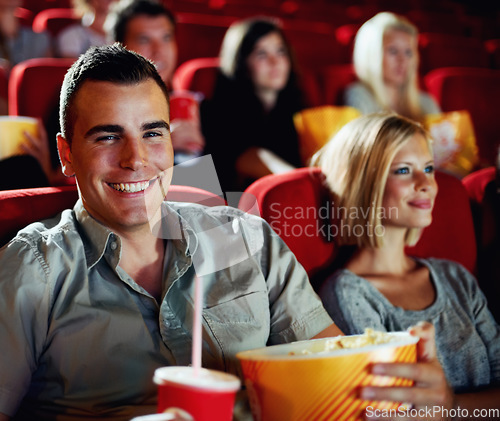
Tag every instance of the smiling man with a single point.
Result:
(91, 302)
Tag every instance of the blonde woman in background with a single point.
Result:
(380, 168)
(386, 63)
(77, 38)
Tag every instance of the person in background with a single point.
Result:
(93, 301)
(148, 28)
(248, 123)
(76, 39)
(386, 63)
(18, 42)
(381, 166)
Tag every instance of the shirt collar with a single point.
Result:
(98, 238)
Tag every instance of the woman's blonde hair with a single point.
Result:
(356, 163)
(368, 57)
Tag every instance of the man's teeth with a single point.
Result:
(131, 187)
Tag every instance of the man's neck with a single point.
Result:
(142, 259)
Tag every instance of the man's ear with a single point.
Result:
(65, 156)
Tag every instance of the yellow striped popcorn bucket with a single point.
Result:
(306, 381)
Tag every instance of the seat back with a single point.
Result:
(483, 189)
(476, 90)
(314, 46)
(4, 81)
(200, 35)
(493, 48)
(291, 203)
(197, 75)
(447, 50)
(54, 20)
(19, 208)
(34, 86)
(476, 182)
(334, 80)
(298, 207)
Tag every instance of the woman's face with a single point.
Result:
(269, 63)
(410, 188)
(400, 50)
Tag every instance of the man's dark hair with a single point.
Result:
(109, 63)
(125, 10)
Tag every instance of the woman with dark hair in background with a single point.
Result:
(248, 123)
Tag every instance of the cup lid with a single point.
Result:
(206, 379)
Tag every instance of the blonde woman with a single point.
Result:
(386, 63)
(380, 168)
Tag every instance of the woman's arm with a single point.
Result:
(329, 332)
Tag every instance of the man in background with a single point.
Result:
(148, 28)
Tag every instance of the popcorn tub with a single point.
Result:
(306, 380)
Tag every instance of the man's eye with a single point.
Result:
(153, 134)
(429, 169)
(106, 138)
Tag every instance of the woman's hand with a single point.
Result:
(187, 136)
(431, 393)
(38, 147)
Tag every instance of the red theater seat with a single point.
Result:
(19, 208)
(34, 86)
(4, 81)
(493, 48)
(314, 44)
(476, 90)
(197, 75)
(475, 183)
(54, 20)
(334, 80)
(484, 195)
(298, 207)
(447, 50)
(200, 35)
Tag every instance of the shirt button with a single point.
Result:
(166, 323)
(114, 245)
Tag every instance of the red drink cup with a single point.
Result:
(184, 105)
(209, 396)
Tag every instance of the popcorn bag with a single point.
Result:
(316, 126)
(454, 146)
(300, 381)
